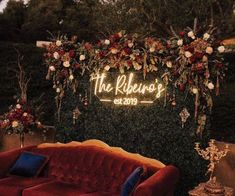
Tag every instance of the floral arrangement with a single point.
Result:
(198, 67)
(190, 61)
(20, 119)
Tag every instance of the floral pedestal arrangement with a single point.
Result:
(20, 119)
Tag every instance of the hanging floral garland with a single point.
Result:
(189, 61)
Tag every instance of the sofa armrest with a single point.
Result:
(8, 158)
(162, 183)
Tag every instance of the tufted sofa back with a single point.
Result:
(94, 167)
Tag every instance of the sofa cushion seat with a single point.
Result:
(14, 185)
(58, 188)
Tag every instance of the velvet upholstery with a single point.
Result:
(95, 169)
(57, 188)
(14, 185)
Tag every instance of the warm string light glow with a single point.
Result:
(126, 89)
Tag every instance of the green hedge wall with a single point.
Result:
(153, 131)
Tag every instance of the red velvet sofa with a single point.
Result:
(90, 168)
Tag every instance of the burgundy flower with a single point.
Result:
(192, 59)
(88, 46)
(219, 65)
(61, 52)
(71, 54)
(182, 33)
(199, 55)
(181, 87)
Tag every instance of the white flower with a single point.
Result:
(191, 34)
(52, 68)
(130, 44)
(204, 58)
(137, 66)
(18, 106)
(56, 55)
(206, 36)
(66, 64)
(82, 57)
(132, 56)
(114, 51)
(221, 49)
(57, 90)
(188, 54)
(210, 86)
(25, 114)
(71, 77)
(14, 124)
(169, 64)
(209, 50)
(58, 43)
(152, 49)
(106, 42)
(107, 67)
(195, 90)
(180, 42)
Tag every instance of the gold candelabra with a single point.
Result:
(212, 154)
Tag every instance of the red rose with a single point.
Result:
(71, 53)
(181, 87)
(129, 63)
(192, 59)
(127, 51)
(191, 49)
(199, 55)
(88, 46)
(77, 65)
(99, 44)
(182, 33)
(61, 52)
(168, 46)
(219, 65)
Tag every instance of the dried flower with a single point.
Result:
(209, 50)
(130, 44)
(195, 90)
(188, 54)
(18, 106)
(58, 43)
(82, 57)
(66, 64)
(221, 49)
(152, 49)
(169, 64)
(210, 85)
(52, 68)
(114, 50)
(71, 77)
(58, 90)
(191, 34)
(14, 124)
(107, 67)
(206, 36)
(106, 42)
(56, 55)
(180, 42)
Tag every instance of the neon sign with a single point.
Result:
(125, 89)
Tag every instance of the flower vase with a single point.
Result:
(21, 140)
